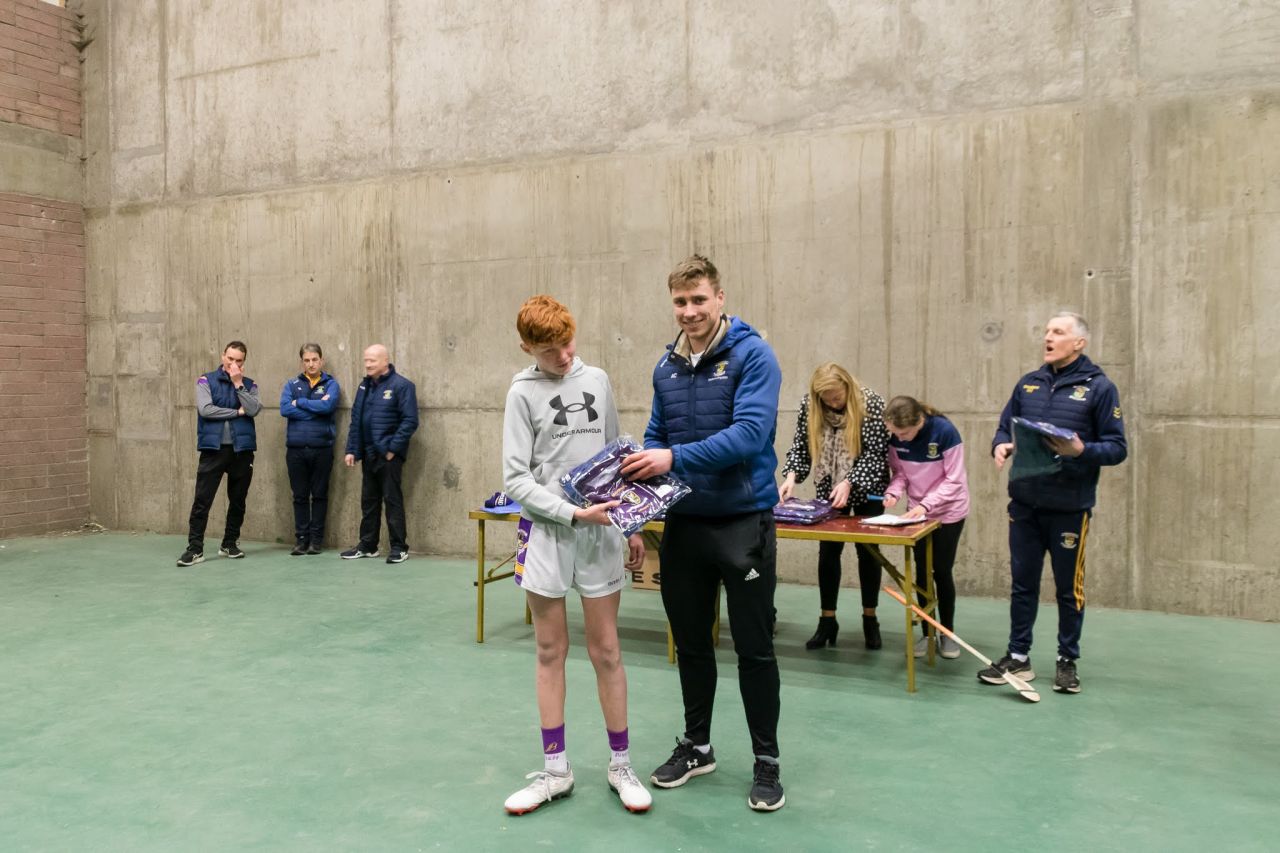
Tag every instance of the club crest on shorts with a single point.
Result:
(933, 450)
(1070, 540)
(1079, 392)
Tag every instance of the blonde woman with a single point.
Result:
(841, 438)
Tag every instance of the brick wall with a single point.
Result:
(39, 66)
(44, 445)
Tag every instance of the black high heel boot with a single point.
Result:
(828, 627)
(871, 631)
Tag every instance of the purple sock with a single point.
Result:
(618, 741)
(553, 740)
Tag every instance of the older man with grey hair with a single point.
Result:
(384, 416)
(1050, 507)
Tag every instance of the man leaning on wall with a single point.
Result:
(384, 416)
(226, 404)
(309, 401)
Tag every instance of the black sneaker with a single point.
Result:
(685, 763)
(190, 558)
(313, 549)
(1066, 680)
(357, 552)
(299, 549)
(231, 552)
(395, 556)
(766, 791)
(994, 674)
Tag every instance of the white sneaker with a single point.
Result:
(921, 648)
(544, 788)
(635, 797)
(948, 648)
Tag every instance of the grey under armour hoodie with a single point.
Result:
(551, 424)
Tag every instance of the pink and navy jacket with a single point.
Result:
(930, 470)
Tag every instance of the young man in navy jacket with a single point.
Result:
(715, 411)
(384, 416)
(309, 401)
(1050, 512)
(226, 404)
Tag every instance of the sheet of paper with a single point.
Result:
(888, 520)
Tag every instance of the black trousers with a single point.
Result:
(697, 555)
(379, 485)
(309, 470)
(946, 539)
(868, 569)
(213, 464)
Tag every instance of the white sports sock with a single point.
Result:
(619, 757)
(705, 749)
(556, 762)
(1019, 658)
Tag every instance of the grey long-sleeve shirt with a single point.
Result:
(248, 401)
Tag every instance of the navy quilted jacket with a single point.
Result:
(384, 416)
(310, 415)
(719, 420)
(1079, 398)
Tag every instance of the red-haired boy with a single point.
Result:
(560, 412)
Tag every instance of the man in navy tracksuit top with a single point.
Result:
(309, 401)
(1050, 512)
(384, 416)
(226, 404)
(715, 411)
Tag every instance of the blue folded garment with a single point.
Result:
(499, 502)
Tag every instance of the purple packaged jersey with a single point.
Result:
(599, 479)
(796, 511)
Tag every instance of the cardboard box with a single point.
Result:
(648, 576)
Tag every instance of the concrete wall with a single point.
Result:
(44, 445)
(909, 188)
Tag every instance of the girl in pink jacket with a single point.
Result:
(926, 463)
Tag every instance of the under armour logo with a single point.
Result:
(691, 764)
(562, 411)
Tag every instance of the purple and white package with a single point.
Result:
(599, 479)
(796, 511)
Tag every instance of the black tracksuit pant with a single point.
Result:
(1032, 532)
(309, 470)
(946, 541)
(868, 568)
(379, 485)
(698, 553)
(213, 464)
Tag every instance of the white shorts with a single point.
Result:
(552, 558)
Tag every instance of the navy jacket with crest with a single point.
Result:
(1081, 398)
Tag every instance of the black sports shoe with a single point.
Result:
(685, 763)
(994, 674)
(766, 791)
(395, 556)
(1065, 679)
(299, 549)
(357, 552)
(231, 552)
(313, 549)
(190, 558)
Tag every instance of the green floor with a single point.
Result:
(306, 703)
